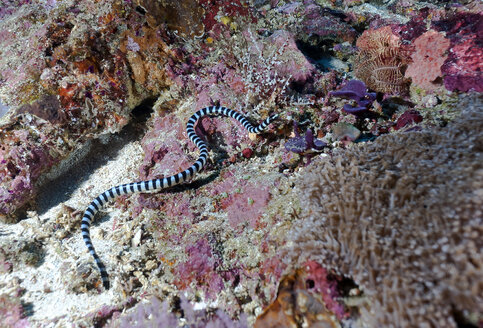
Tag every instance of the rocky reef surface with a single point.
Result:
(361, 206)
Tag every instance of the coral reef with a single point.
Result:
(401, 217)
(325, 24)
(379, 224)
(182, 17)
(307, 298)
(257, 70)
(74, 84)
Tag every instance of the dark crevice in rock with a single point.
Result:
(63, 179)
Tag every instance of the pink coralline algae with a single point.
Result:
(165, 151)
(295, 64)
(319, 280)
(154, 313)
(200, 267)
(12, 312)
(164, 154)
(463, 68)
(429, 56)
(17, 29)
(244, 200)
(22, 160)
(323, 22)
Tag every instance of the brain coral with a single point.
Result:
(402, 217)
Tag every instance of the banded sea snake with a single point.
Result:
(161, 183)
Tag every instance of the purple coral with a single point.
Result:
(304, 144)
(355, 90)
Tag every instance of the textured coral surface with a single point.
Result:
(360, 206)
(402, 217)
(87, 66)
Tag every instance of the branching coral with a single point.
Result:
(402, 216)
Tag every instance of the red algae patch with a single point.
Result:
(244, 199)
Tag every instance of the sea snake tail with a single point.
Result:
(162, 183)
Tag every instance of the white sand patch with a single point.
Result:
(45, 288)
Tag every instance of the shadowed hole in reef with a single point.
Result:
(321, 54)
(63, 179)
(465, 322)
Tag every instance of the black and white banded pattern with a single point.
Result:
(162, 183)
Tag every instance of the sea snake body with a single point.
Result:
(161, 183)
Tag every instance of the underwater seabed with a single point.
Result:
(360, 206)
